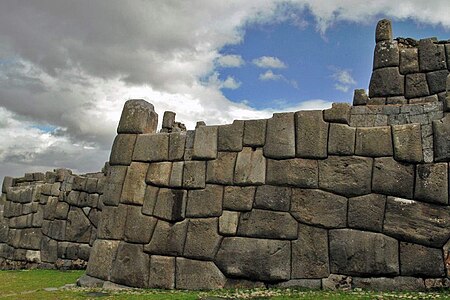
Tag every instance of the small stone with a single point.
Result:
(206, 202)
(168, 119)
(138, 116)
(341, 139)
(238, 198)
(417, 260)
(159, 174)
(367, 212)
(151, 147)
(205, 143)
(134, 184)
(198, 275)
(228, 222)
(221, 170)
(122, 149)
(89, 282)
(393, 178)
(416, 86)
(432, 183)
(360, 97)
(266, 224)
(293, 172)
(386, 82)
(280, 136)
(250, 167)
(230, 136)
(407, 143)
(254, 133)
(383, 31)
(202, 240)
(337, 282)
(194, 174)
(273, 198)
(374, 141)
(311, 134)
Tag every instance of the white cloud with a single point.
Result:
(269, 62)
(343, 78)
(269, 75)
(231, 83)
(230, 61)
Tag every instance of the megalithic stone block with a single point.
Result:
(386, 82)
(360, 97)
(311, 134)
(431, 55)
(409, 60)
(407, 142)
(386, 55)
(280, 136)
(168, 119)
(122, 149)
(138, 116)
(441, 139)
(383, 31)
(205, 143)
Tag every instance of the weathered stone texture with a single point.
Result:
(432, 183)
(418, 260)
(205, 143)
(228, 222)
(112, 222)
(138, 116)
(386, 54)
(230, 136)
(416, 86)
(170, 205)
(238, 198)
(202, 240)
(78, 227)
(436, 81)
(168, 238)
(374, 141)
(341, 139)
(221, 170)
(280, 136)
(177, 142)
(250, 167)
(311, 134)
(194, 174)
(134, 185)
(294, 172)
(360, 97)
(266, 224)
(393, 178)
(131, 266)
(113, 187)
(366, 212)
(101, 260)
(441, 132)
(159, 173)
(138, 228)
(386, 82)
(162, 272)
(206, 202)
(122, 149)
(407, 143)
(198, 275)
(273, 198)
(255, 133)
(431, 56)
(151, 147)
(409, 60)
(400, 283)
(383, 31)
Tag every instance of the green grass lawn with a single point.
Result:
(31, 284)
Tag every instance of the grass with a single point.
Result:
(32, 284)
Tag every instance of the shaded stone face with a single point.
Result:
(131, 266)
(138, 116)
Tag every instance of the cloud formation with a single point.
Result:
(269, 62)
(343, 78)
(230, 61)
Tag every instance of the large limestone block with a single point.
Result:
(170, 205)
(162, 272)
(113, 186)
(386, 54)
(431, 56)
(255, 259)
(409, 60)
(273, 197)
(134, 185)
(112, 222)
(238, 198)
(221, 170)
(177, 143)
(441, 140)
(266, 224)
(341, 140)
(101, 259)
(338, 113)
(138, 116)
(416, 85)
(383, 32)
(206, 202)
(168, 238)
(346, 175)
(205, 143)
(131, 266)
(393, 178)
(280, 136)
(198, 275)
(254, 133)
(151, 147)
(138, 227)
(367, 212)
(296, 172)
(386, 82)
(230, 136)
(374, 141)
(311, 134)
(310, 253)
(432, 183)
(202, 240)
(436, 81)
(417, 260)
(194, 174)
(250, 167)
(317, 207)
(122, 149)
(417, 222)
(78, 227)
(159, 174)
(407, 143)
(360, 253)
(30, 238)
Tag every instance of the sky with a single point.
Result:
(67, 67)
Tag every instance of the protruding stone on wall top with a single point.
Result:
(383, 31)
(360, 97)
(168, 119)
(138, 116)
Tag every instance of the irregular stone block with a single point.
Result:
(367, 212)
(431, 56)
(338, 113)
(393, 178)
(30, 238)
(409, 60)
(238, 198)
(383, 31)
(255, 259)
(159, 174)
(112, 222)
(61, 211)
(138, 228)
(348, 176)
(436, 81)
(336, 282)
(221, 170)
(176, 175)
(89, 282)
(294, 172)
(138, 116)
(131, 266)
(206, 202)
(134, 185)
(417, 260)
(266, 224)
(168, 238)
(396, 100)
(54, 229)
(254, 133)
(360, 97)
(310, 253)
(177, 142)
(168, 119)
(441, 142)
(162, 272)
(151, 147)
(386, 54)
(407, 143)
(311, 134)
(171, 205)
(198, 275)
(7, 183)
(150, 198)
(280, 136)
(228, 222)
(374, 141)
(230, 136)
(377, 101)
(417, 222)
(250, 167)
(273, 198)
(362, 253)
(194, 174)
(401, 283)
(78, 226)
(416, 85)
(205, 143)
(341, 140)
(386, 82)
(122, 149)
(432, 183)
(101, 260)
(202, 240)
(317, 207)
(113, 186)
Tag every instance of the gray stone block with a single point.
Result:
(168, 119)
(436, 81)
(238, 198)
(417, 260)
(346, 175)
(374, 141)
(112, 222)
(441, 131)
(176, 174)
(417, 222)
(360, 253)
(311, 134)
(87, 281)
(386, 54)
(228, 222)
(409, 60)
(170, 205)
(198, 275)
(432, 183)
(138, 116)
(360, 97)
(162, 272)
(134, 185)
(78, 227)
(194, 174)
(113, 186)
(273, 198)
(138, 227)
(310, 284)
(230, 136)
(401, 283)
(151, 147)
(250, 167)
(221, 170)
(131, 266)
(341, 139)
(177, 142)
(383, 31)
(416, 85)
(280, 136)
(336, 282)
(7, 183)
(317, 207)
(150, 198)
(393, 178)
(202, 240)
(407, 140)
(293, 172)
(254, 133)
(101, 260)
(367, 212)
(206, 202)
(338, 113)
(122, 149)
(159, 174)
(310, 253)
(386, 82)
(168, 238)
(431, 56)
(205, 143)
(266, 224)
(396, 100)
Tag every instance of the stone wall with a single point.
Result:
(49, 220)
